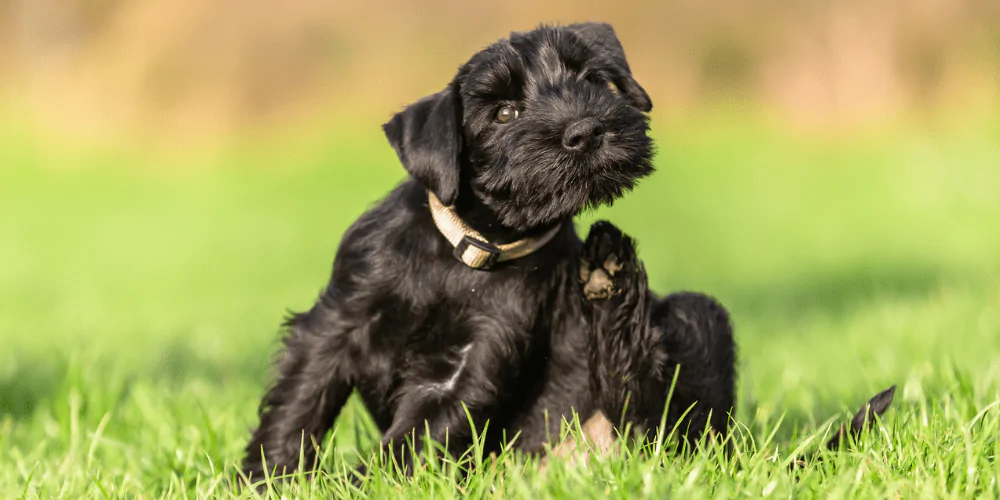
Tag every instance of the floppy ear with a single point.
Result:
(427, 138)
(601, 38)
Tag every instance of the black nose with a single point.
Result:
(583, 135)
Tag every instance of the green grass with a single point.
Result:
(139, 304)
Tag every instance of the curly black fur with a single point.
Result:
(641, 343)
(421, 337)
(666, 361)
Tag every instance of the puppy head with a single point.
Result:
(538, 126)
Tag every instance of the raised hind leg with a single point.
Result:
(638, 342)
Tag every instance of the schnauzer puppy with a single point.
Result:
(466, 294)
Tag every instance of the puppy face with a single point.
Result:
(538, 126)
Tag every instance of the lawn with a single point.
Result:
(140, 295)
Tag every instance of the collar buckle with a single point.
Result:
(476, 253)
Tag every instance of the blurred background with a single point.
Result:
(199, 69)
(176, 174)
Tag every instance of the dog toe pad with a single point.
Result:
(599, 286)
(584, 271)
(612, 265)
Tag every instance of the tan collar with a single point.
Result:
(472, 248)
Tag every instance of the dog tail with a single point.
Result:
(875, 407)
(862, 420)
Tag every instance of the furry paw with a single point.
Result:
(607, 263)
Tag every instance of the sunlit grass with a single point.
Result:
(139, 307)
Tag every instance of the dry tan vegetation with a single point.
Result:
(200, 67)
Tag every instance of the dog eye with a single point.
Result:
(505, 114)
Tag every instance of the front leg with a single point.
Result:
(435, 409)
(314, 384)
(626, 355)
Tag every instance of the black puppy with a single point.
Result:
(462, 289)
